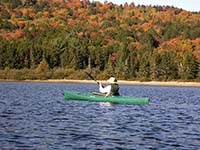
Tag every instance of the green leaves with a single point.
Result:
(144, 42)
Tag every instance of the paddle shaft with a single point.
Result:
(91, 77)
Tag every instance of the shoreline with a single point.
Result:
(160, 83)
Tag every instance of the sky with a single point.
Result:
(189, 5)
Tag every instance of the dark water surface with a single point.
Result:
(36, 116)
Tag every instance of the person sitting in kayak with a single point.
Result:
(112, 89)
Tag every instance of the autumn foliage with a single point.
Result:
(127, 41)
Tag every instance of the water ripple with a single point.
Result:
(36, 116)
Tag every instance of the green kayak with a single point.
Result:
(94, 97)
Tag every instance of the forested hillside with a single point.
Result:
(42, 39)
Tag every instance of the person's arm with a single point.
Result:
(108, 93)
(104, 89)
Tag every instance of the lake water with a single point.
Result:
(36, 116)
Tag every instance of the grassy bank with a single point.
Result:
(71, 75)
(35, 74)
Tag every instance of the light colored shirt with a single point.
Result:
(106, 90)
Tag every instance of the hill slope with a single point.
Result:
(129, 42)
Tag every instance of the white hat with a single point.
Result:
(112, 80)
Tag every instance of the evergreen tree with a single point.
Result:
(166, 66)
(189, 68)
(144, 56)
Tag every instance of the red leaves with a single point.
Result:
(13, 35)
(196, 55)
(113, 56)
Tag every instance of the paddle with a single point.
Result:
(91, 77)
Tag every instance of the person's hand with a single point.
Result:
(100, 85)
(107, 95)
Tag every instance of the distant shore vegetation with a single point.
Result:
(61, 39)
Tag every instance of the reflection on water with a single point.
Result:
(36, 116)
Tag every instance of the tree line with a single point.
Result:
(43, 40)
